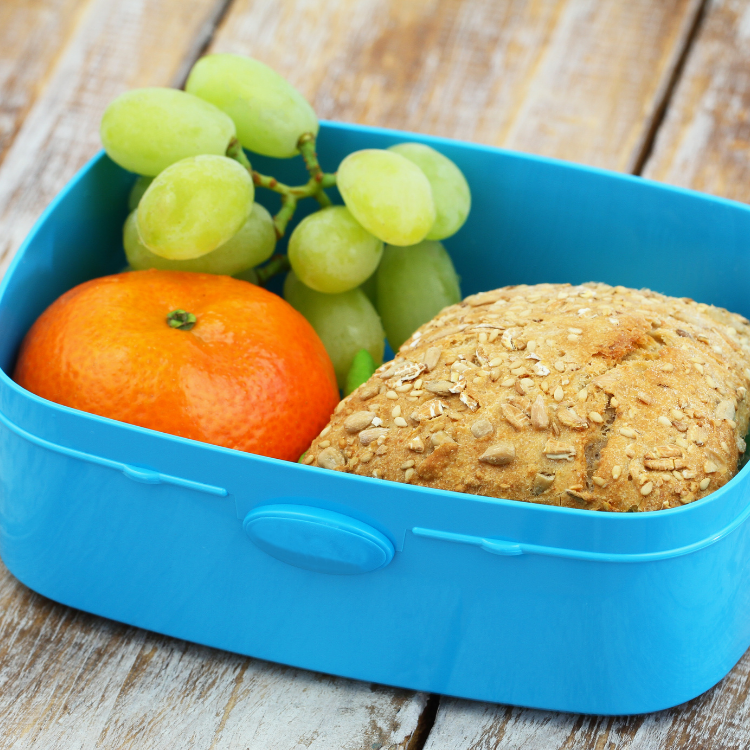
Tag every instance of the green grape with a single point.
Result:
(363, 366)
(147, 130)
(414, 284)
(194, 206)
(345, 322)
(370, 288)
(250, 275)
(269, 113)
(137, 191)
(450, 191)
(388, 195)
(331, 252)
(253, 244)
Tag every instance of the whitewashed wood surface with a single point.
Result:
(115, 46)
(585, 80)
(32, 34)
(71, 680)
(704, 142)
(581, 79)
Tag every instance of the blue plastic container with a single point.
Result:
(476, 597)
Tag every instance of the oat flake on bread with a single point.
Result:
(585, 396)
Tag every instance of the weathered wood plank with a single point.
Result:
(719, 718)
(578, 80)
(32, 34)
(70, 680)
(115, 46)
(704, 142)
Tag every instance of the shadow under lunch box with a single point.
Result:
(452, 593)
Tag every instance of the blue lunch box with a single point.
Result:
(469, 596)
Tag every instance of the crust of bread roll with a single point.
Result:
(591, 396)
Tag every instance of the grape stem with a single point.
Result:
(306, 145)
(290, 194)
(236, 152)
(278, 264)
(288, 207)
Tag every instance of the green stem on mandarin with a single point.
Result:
(278, 264)
(181, 320)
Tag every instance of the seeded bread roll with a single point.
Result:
(585, 396)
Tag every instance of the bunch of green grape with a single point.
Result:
(371, 268)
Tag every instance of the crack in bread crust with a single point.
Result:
(586, 396)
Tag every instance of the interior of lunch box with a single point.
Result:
(533, 220)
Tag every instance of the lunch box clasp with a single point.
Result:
(319, 540)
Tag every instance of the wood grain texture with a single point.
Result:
(116, 46)
(71, 680)
(32, 35)
(704, 142)
(579, 79)
(719, 718)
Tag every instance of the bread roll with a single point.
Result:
(590, 396)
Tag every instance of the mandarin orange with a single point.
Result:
(205, 357)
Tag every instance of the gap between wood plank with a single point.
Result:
(425, 723)
(662, 107)
(203, 39)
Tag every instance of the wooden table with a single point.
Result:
(659, 88)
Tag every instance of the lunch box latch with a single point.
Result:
(135, 473)
(494, 546)
(317, 539)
